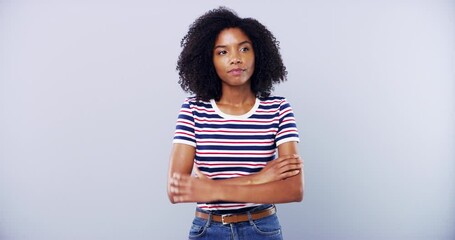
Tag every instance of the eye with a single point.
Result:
(222, 52)
(244, 49)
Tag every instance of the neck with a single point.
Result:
(237, 96)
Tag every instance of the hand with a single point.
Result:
(186, 188)
(279, 169)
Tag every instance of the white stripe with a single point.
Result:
(203, 163)
(184, 142)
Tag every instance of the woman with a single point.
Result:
(229, 132)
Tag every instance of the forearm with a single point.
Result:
(185, 188)
(280, 181)
(239, 181)
(278, 169)
(283, 191)
(181, 162)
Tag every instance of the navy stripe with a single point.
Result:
(237, 126)
(207, 115)
(268, 107)
(201, 115)
(184, 138)
(269, 116)
(235, 137)
(186, 117)
(225, 169)
(284, 136)
(185, 128)
(234, 158)
(287, 125)
(243, 147)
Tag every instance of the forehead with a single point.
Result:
(231, 36)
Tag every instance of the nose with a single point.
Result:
(235, 59)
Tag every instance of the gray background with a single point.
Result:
(89, 99)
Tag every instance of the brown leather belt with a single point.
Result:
(235, 218)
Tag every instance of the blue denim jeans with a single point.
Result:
(264, 228)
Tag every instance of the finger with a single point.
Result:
(176, 175)
(292, 156)
(174, 190)
(291, 167)
(289, 157)
(290, 174)
(178, 199)
(181, 189)
(280, 160)
(184, 178)
(185, 183)
(292, 161)
(183, 198)
(180, 183)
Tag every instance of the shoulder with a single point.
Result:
(275, 100)
(279, 103)
(191, 102)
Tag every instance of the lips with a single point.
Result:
(236, 71)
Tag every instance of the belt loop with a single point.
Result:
(250, 218)
(209, 220)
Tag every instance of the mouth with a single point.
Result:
(236, 71)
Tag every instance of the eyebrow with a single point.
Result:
(241, 43)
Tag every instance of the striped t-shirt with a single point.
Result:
(229, 146)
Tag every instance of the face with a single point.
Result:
(233, 57)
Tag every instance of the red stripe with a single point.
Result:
(186, 111)
(288, 120)
(184, 133)
(229, 131)
(204, 110)
(185, 121)
(226, 174)
(233, 120)
(232, 153)
(232, 164)
(246, 142)
(224, 207)
(287, 131)
(271, 102)
(266, 111)
(284, 112)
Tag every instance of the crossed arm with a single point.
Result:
(280, 181)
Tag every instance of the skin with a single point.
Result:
(234, 50)
(280, 181)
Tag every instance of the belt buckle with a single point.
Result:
(222, 218)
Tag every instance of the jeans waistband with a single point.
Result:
(237, 211)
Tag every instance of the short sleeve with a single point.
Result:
(287, 128)
(184, 130)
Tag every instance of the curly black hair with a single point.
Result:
(195, 64)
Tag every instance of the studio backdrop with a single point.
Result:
(89, 99)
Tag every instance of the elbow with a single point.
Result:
(298, 192)
(301, 194)
(170, 197)
(298, 196)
